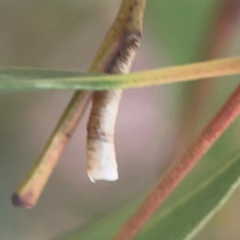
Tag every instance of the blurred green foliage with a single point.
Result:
(55, 35)
(179, 221)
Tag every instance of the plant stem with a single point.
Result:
(224, 27)
(128, 20)
(29, 191)
(172, 178)
(218, 38)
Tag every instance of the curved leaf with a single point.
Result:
(180, 221)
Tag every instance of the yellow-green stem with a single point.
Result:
(128, 20)
(29, 191)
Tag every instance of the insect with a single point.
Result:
(114, 56)
(101, 157)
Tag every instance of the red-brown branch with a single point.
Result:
(182, 166)
(218, 38)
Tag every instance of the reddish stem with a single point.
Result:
(217, 40)
(182, 166)
(225, 27)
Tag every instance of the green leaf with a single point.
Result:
(182, 26)
(22, 79)
(179, 221)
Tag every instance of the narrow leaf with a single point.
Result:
(17, 79)
(180, 221)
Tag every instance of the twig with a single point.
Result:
(176, 173)
(225, 27)
(29, 191)
(217, 39)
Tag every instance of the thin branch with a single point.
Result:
(218, 38)
(225, 27)
(29, 191)
(172, 178)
